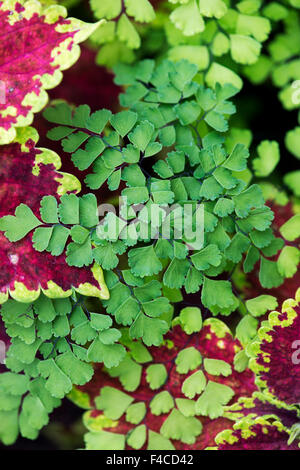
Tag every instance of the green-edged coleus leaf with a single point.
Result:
(27, 271)
(172, 401)
(31, 67)
(262, 404)
(269, 419)
(262, 422)
(276, 363)
(256, 434)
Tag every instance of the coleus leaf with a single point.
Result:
(264, 405)
(258, 434)
(276, 363)
(269, 419)
(164, 397)
(24, 270)
(37, 44)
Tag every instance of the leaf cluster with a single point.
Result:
(120, 35)
(53, 342)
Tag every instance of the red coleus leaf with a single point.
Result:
(170, 402)
(258, 434)
(277, 362)
(27, 174)
(37, 43)
(267, 419)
